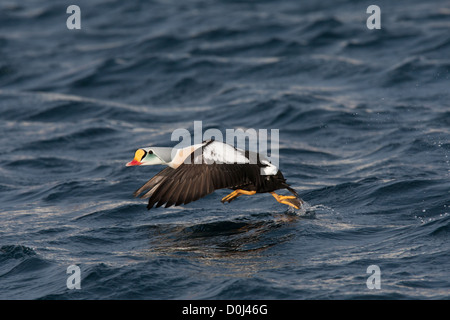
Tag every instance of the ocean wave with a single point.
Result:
(15, 252)
(54, 164)
(416, 68)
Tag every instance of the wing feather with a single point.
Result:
(158, 178)
(190, 182)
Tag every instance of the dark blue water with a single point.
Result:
(364, 120)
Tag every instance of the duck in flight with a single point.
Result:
(196, 171)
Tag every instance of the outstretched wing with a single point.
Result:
(190, 182)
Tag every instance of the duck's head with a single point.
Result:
(151, 156)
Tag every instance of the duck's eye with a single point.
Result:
(150, 152)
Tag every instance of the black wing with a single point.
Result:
(190, 182)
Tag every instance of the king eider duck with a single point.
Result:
(196, 171)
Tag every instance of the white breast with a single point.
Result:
(270, 170)
(218, 152)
